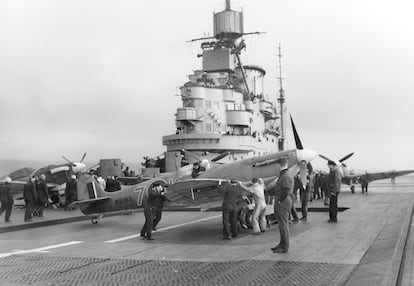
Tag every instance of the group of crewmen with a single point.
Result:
(36, 196)
(281, 190)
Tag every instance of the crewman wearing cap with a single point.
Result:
(71, 191)
(42, 194)
(149, 207)
(334, 188)
(159, 201)
(6, 198)
(283, 204)
(30, 198)
(232, 192)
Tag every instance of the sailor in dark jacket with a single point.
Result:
(283, 204)
(334, 186)
(6, 198)
(42, 195)
(159, 205)
(70, 191)
(232, 193)
(149, 206)
(30, 198)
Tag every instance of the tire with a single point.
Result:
(249, 219)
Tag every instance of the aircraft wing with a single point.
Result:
(198, 191)
(380, 175)
(203, 191)
(88, 202)
(21, 174)
(17, 188)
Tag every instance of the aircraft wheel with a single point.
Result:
(352, 189)
(249, 219)
(94, 220)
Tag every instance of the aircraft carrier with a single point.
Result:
(224, 104)
(224, 109)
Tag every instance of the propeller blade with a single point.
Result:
(220, 156)
(324, 157)
(296, 135)
(67, 160)
(92, 167)
(83, 157)
(346, 157)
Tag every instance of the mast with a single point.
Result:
(228, 8)
(281, 100)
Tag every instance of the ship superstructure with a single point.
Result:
(224, 107)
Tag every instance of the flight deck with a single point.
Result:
(370, 245)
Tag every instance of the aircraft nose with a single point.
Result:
(78, 167)
(306, 155)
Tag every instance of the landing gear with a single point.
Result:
(96, 219)
(249, 219)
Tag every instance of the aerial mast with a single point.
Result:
(281, 100)
(228, 7)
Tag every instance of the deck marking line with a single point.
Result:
(163, 229)
(40, 249)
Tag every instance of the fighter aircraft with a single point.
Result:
(56, 175)
(96, 202)
(351, 178)
(183, 186)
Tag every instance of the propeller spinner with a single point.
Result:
(76, 166)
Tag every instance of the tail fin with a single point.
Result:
(88, 188)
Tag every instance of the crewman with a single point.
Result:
(101, 181)
(30, 198)
(283, 204)
(112, 184)
(294, 197)
(117, 183)
(6, 198)
(259, 212)
(71, 191)
(310, 180)
(196, 170)
(325, 189)
(316, 186)
(232, 193)
(305, 194)
(334, 187)
(149, 205)
(42, 195)
(242, 210)
(159, 201)
(109, 184)
(126, 172)
(364, 185)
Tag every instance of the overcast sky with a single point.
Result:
(101, 76)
